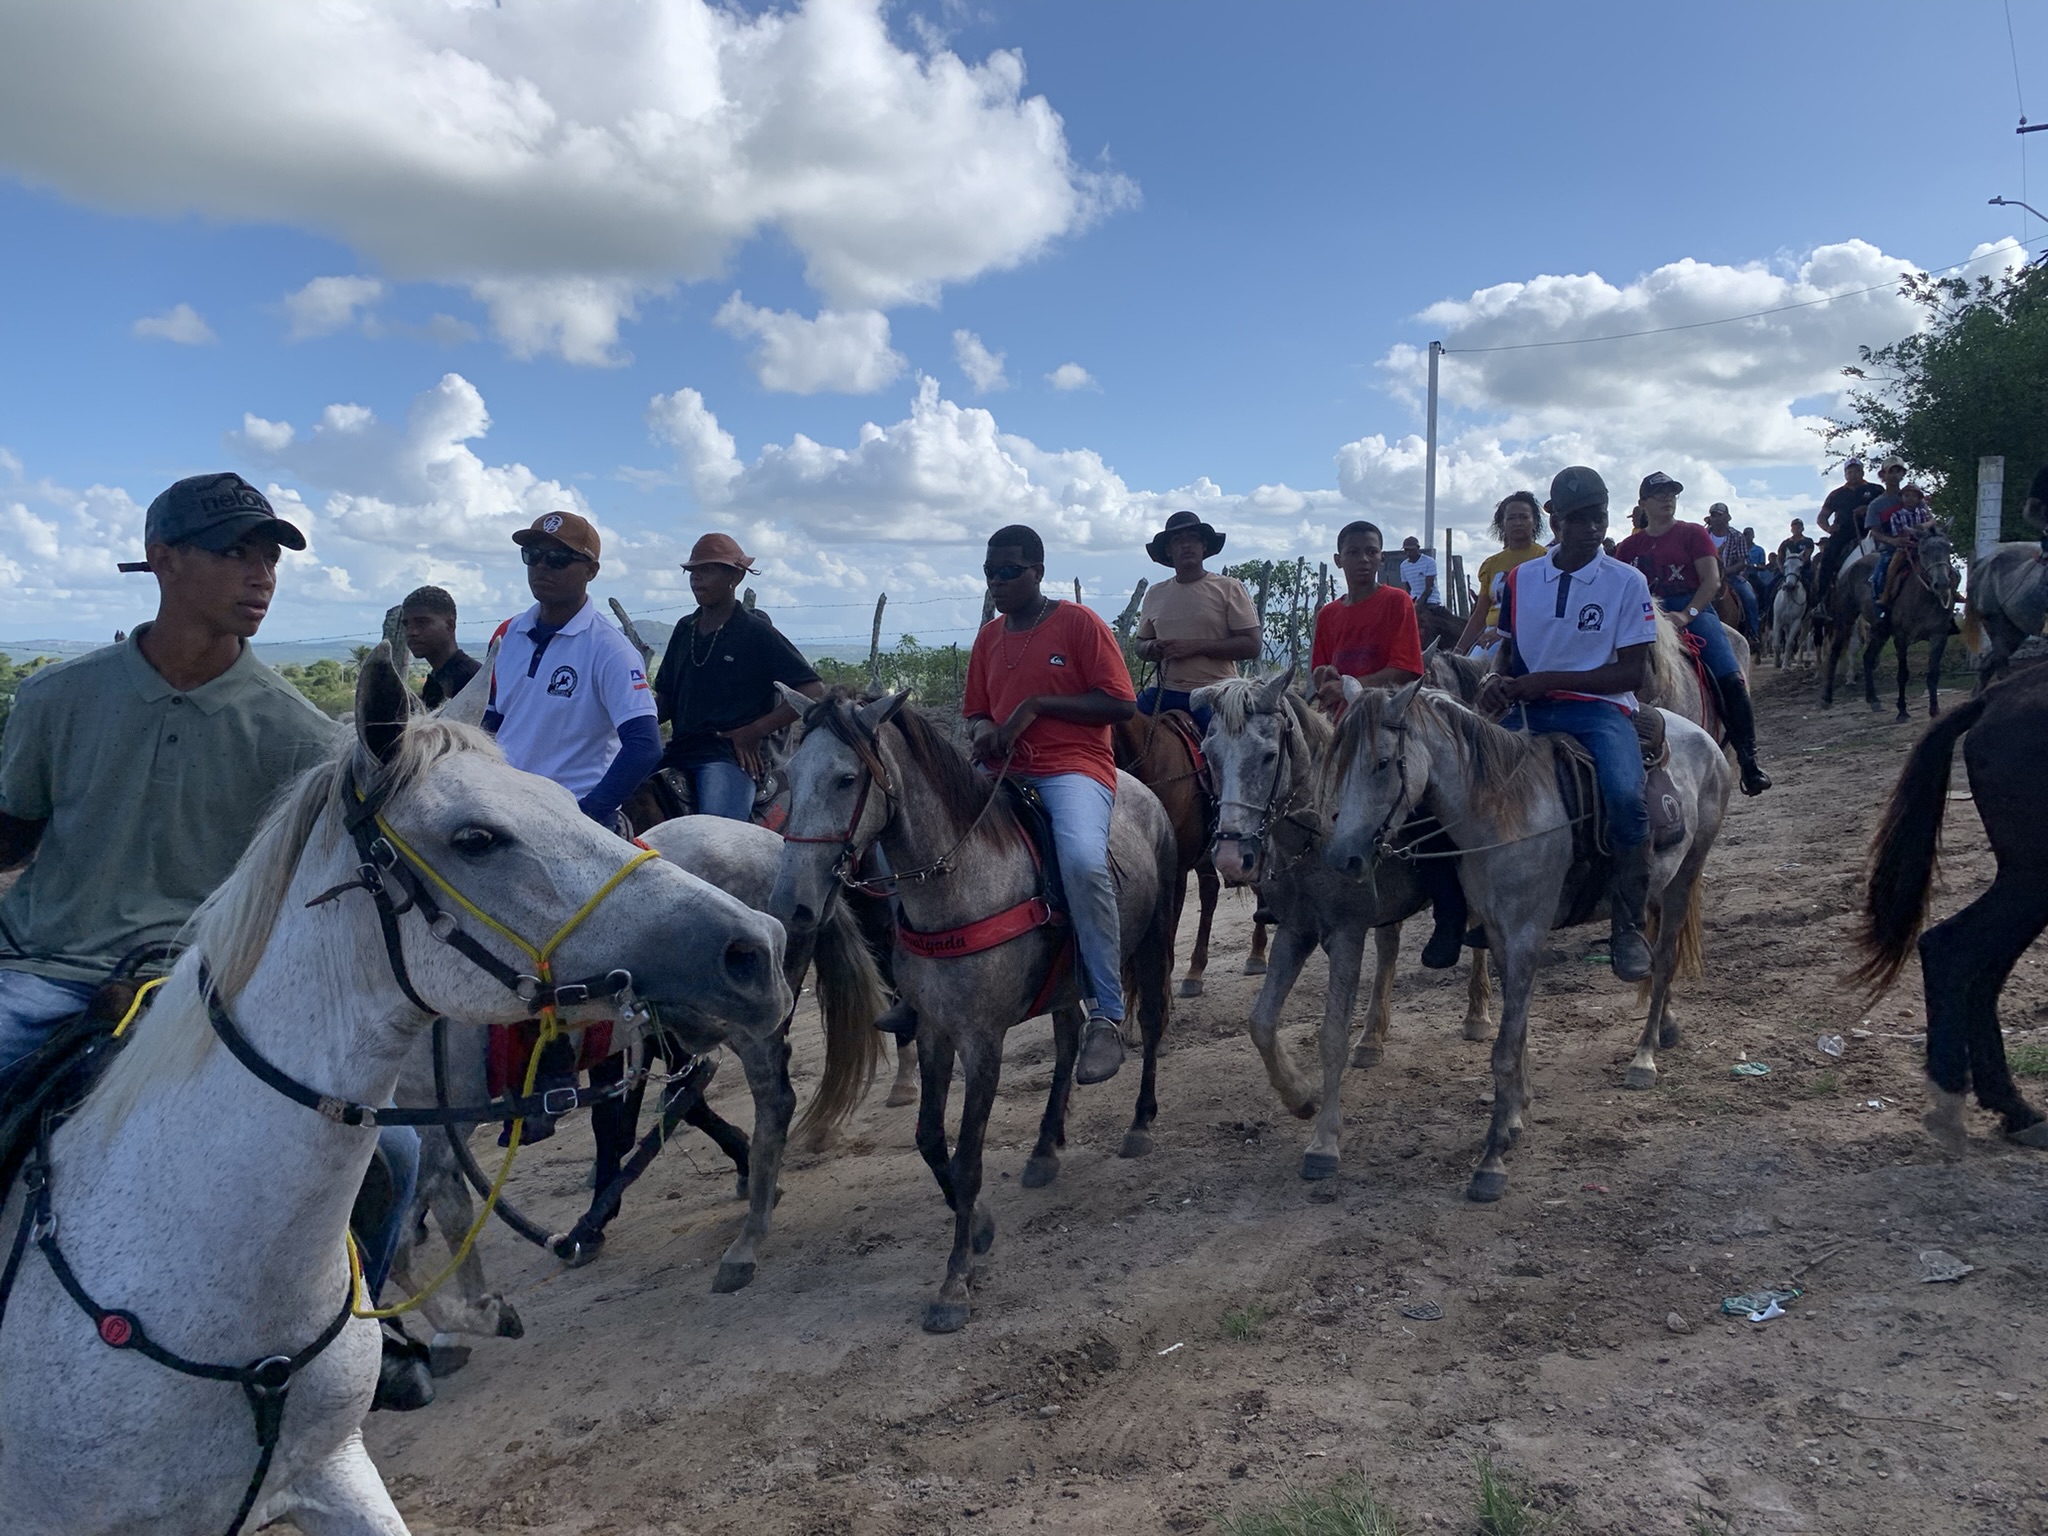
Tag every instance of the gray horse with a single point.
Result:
(1496, 794)
(1265, 748)
(2007, 604)
(879, 773)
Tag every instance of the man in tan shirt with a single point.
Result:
(1196, 628)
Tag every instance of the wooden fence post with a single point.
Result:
(1129, 617)
(626, 624)
(748, 599)
(1294, 615)
(875, 645)
(988, 606)
(1077, 589)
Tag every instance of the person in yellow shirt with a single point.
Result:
(1515, 522)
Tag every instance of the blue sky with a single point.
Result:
(1232, 219)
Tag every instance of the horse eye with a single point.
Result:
(474, 841)
(847, 780)
(1385, 762)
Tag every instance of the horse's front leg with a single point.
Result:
(1935, 648)
(1379, 1006)
(1479, 1020)
(1255, 962)
(904, 1090)
(974, 1228)
(1044, 1165)
(1207, 888)
(340, 1496)
(1290, 953)
(1873, 653)
(934, 1081)
(1514, 955)
(766, 1062)
(1673, 906)
(1902, 640)
(1347, 959)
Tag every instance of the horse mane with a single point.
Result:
(1495, 757)
(1668, 663)
(232, 927)
(963, 793)
(1235, 699)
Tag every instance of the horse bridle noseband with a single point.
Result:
(387, 860)
(1270, 811)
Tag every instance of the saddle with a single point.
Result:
(55, 1079)
(1710, 691)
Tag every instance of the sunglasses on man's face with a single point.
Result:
(1009, 572)
(553, 556)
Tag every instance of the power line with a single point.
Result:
(1694, 325)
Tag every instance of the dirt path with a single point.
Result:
(1099, 1389)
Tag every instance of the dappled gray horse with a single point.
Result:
(2007, 603)
(1496, 795)
(1265, 748)
(881, 773)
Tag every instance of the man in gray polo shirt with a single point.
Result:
(133, 777)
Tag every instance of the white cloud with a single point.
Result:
(180, 323)
(842, 350)
(1070, 376)
(329, 304)
(609, 142)
(984, 369)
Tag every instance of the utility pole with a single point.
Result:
(1436, 350)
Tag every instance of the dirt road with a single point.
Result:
(1164, 1340)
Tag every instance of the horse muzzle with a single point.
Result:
(1236, 858)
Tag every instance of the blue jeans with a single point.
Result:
(1156, 698)
(1884, 569)
(1714, 648)
(1745, 595)
(723, 789)
(1609, 734)
(30, 1006)
(1079, 808)
(400, 1145)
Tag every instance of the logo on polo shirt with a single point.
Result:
(1591, 615)
(562, 683)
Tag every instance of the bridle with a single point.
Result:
(1270, 810)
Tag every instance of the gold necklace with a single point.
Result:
(1002, 640)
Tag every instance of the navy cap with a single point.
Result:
(215, 512)
(1656, 483)
(1576, 487)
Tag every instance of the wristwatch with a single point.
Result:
(1692, 613)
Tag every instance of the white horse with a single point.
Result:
(209, 1208)
(1791, 635)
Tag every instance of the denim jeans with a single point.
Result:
(1156, 698)
(1079, 808)
(29, 1006)
(1745, 594)
(1715, 650)
(723, 789)
(1609, 734)
(400, 1145)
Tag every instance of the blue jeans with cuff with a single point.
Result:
(1079, 808)
(1606, 731)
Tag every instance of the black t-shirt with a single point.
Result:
(721, 681)
(1801, 546)
(448, 679)
(1844, 506)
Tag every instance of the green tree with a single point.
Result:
(1972, 382)
(1289, 614)
(11, 675)
(329, 685)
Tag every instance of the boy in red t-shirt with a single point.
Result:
(1045, 684)
(1370, 633)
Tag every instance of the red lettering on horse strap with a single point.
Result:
(973, 938)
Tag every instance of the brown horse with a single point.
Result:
(1922, 608)
(1157, 751)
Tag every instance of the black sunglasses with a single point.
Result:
(553, 556)
(1008, 572)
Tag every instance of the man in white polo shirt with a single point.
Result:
(569, 694)
(1578, 627)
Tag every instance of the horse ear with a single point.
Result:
(383, 704)
(1397, 706)
(1430, 650)
(1354, 690)
(1274, 690)
(877, 713)
(794, 700)
(1202, 698)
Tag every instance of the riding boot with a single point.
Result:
(557, 1070)
(898, 1019)
(1741, 721)
(1439, 881)
(1628, 888)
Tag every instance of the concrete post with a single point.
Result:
(1990, 503)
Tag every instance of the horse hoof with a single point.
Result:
(1317, 1166)
(1640, 1077)
(1136, 1144)
(1479, 1029)
(1192, 987)
(1255, 967)
(1667, 1036)
(1366, 1054)
(1041, 1171)
(509, 1324)
(1902, 718)
(982, 1230)
(1306, 1110)
(732, 1277)
(900, 1094)
(575, 1252)
(446, 1359)
(2035, 1135)
(946, 1316)
(1486, 1188)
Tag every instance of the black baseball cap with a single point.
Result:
(1656, 483)
(1575, 487)
(215, 512)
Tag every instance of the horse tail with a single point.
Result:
(850, 997)
(1973, 622)
(1905, 852)
(1688, 961)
